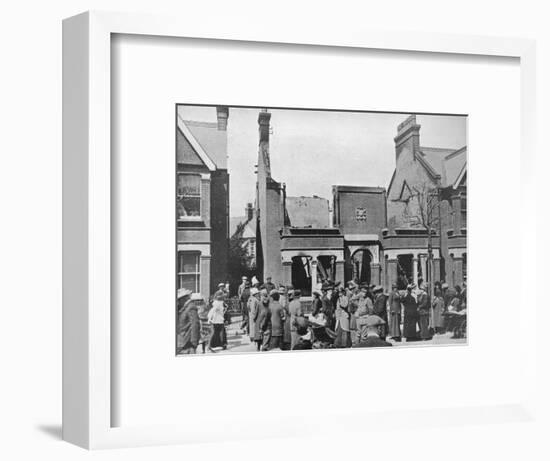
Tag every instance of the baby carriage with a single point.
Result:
(323, 337)
(457, 323)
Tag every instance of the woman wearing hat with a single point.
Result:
(394, 303)
(410, 307)
(438, 307)
(284, 300)
(189, 326)
(206, 328)
(253, 307)
(216, 318)
(343, 335)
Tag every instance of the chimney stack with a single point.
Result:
(263, 121)
(223, 114)
(408, 136)
(264, 166)
(249, 212)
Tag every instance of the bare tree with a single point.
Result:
(427, 199)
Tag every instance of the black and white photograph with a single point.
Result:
(312, 229)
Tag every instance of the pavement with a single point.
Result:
(238, 341)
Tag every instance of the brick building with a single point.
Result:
(376, 236)
(202, 202)
(360, 215)
(427, 191)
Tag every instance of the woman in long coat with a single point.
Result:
(253, 305)
(343, 335)
(216, 318)
(394, 304)
(438, 307)
(284, 300)
(410, 308)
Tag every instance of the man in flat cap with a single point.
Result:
(269, 285)
(263, 322)
(295, 310)
(242, 287)
(380, 309)
(244, 294)
(373, 339)
(277, 320)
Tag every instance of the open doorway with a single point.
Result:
(361, 261)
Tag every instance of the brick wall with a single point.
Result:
(219, 223)
(360, 210)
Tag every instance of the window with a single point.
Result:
(326, 269)
(189, 271)
(463, 212)
(252, 248)
(189, 195)
(301, 274)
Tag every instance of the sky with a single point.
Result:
(313, 150)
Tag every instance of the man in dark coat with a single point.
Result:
(423, 314)
(373, 339)
(244, 294)
(380, 309)
(263, 322)
(277, 320)
(410, 308)
(189, 328)
(394, 302)
(268, 285)
(295, 311)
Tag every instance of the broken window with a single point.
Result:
(301, 274)
(326, 269)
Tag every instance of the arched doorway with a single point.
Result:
(361, 261)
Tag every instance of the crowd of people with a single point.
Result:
(354, 315)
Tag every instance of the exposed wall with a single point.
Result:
(269, 209)
(308, 212)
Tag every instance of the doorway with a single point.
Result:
(361, 261)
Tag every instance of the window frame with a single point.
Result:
(182, 196)
(197, 273)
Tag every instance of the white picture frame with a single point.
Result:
(87, 365)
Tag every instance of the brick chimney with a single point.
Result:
(408, 137)
(223, 114)
(263, 121)
(263, 126)
(249, 212)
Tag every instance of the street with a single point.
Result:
(239, 342)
